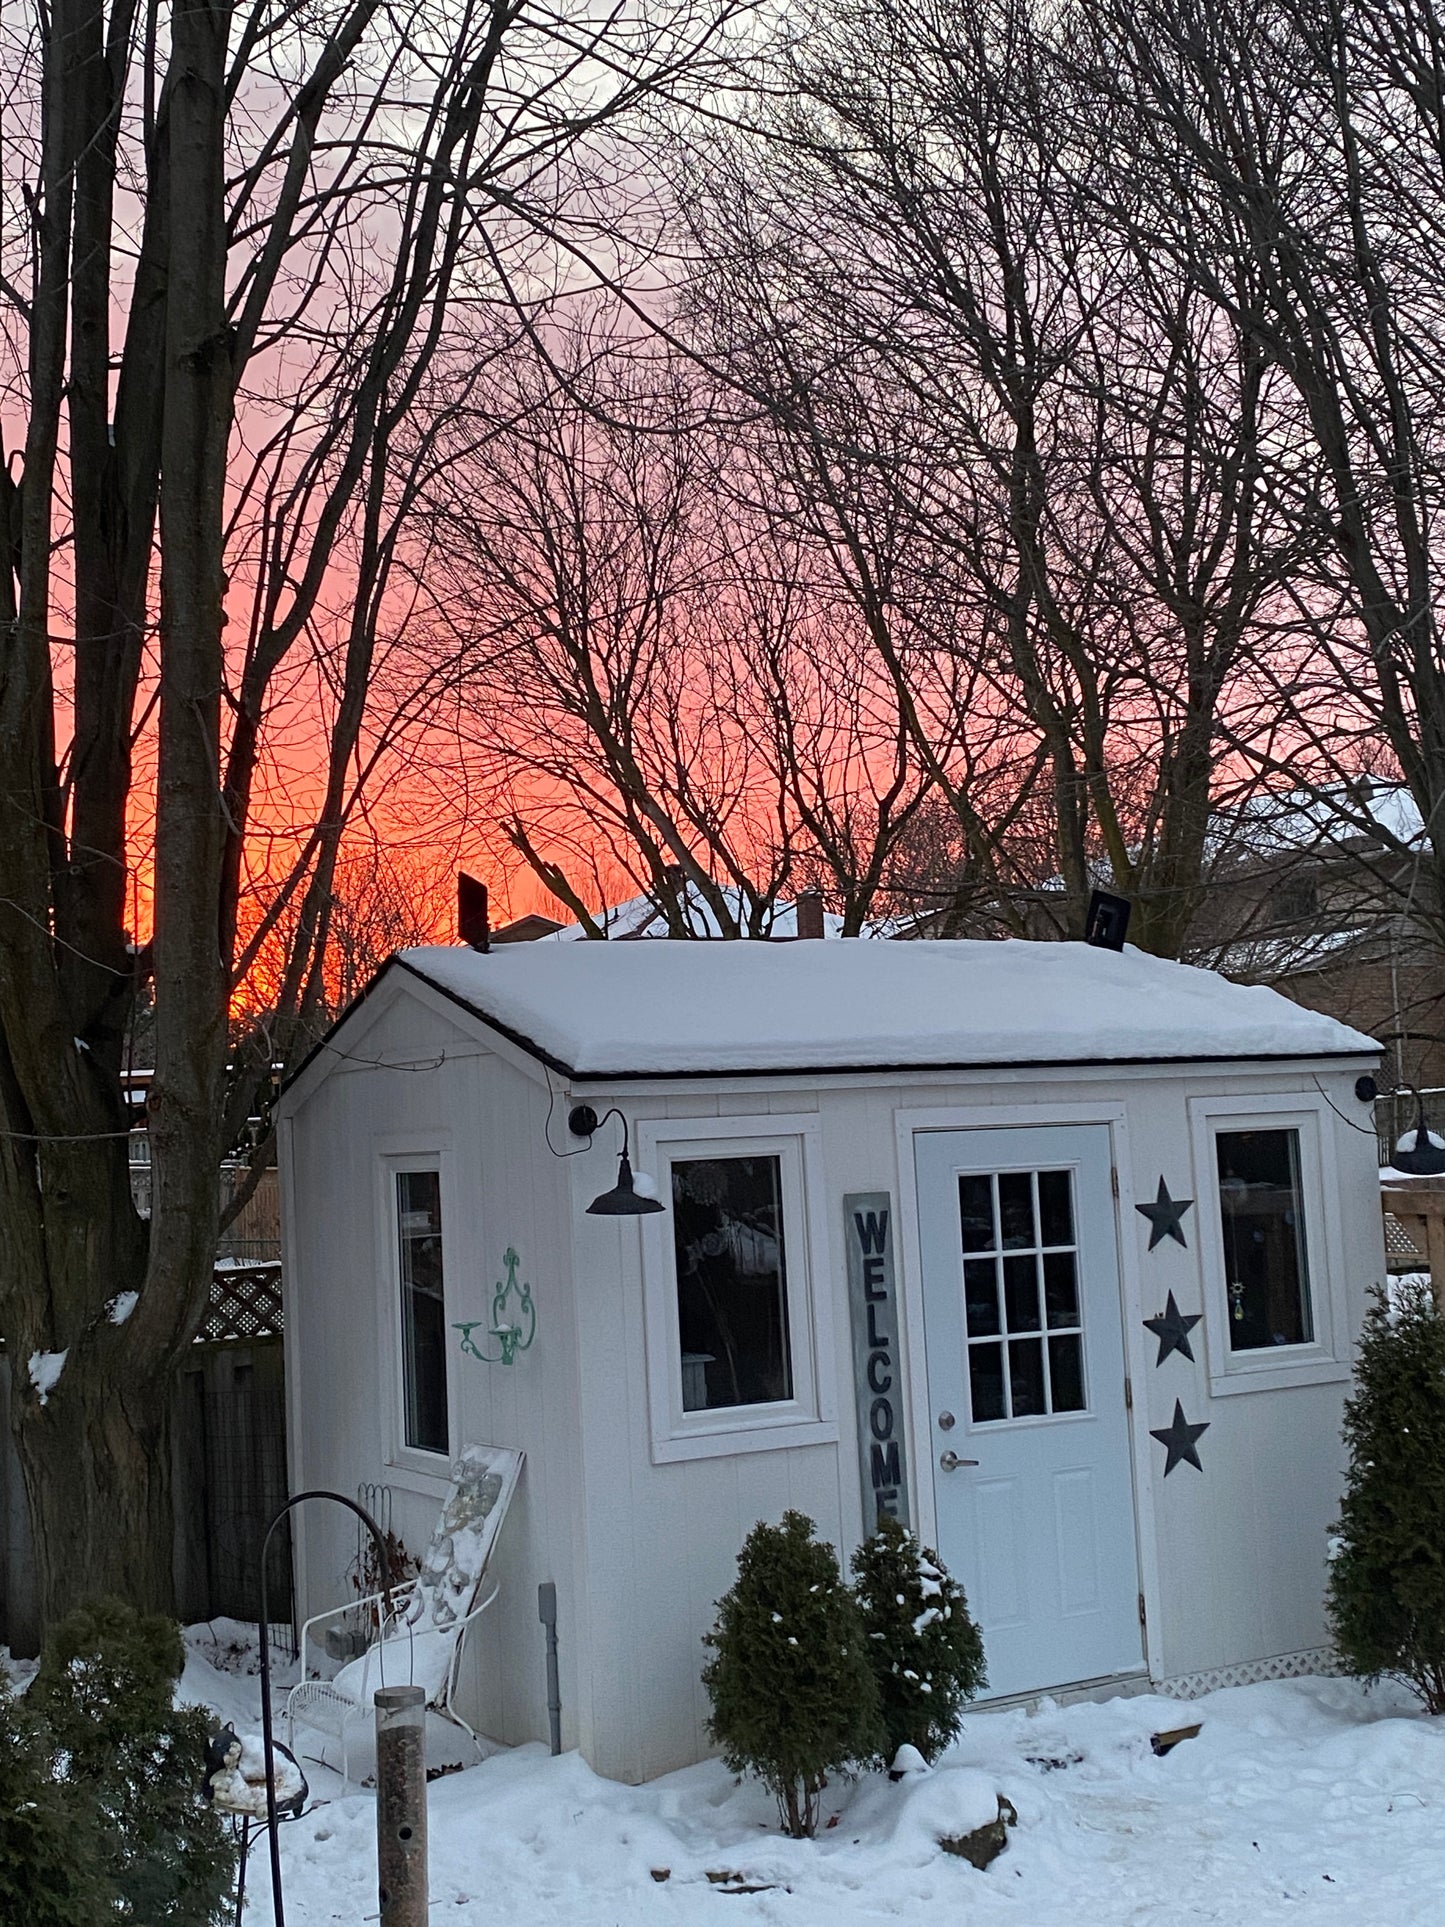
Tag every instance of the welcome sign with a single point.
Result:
(868, 1228)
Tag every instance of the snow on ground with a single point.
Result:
(1302, 1801)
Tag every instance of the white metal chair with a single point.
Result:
(423, 1641)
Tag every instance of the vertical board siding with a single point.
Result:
(641, 1552)
(492, 1118)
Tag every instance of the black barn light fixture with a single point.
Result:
(624, 1200)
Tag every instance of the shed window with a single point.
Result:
(423, 1310)
(732, 1283)
(1266, 1262)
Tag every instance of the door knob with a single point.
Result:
(950, 1461)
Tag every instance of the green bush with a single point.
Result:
(127, 1763)
(925, 1651)
(1386, 1594)
(48, 1843)
(792, 1693)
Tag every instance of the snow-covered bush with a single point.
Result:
(1387, 1579)
(925, 1651)
(130, 1762)
(792, 1693)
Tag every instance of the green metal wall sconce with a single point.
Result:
(513, 1330)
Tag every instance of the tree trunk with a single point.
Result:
(97, 1467)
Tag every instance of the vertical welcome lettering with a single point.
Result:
(868, 1222)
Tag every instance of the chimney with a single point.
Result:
(472, 924)
(809, 912)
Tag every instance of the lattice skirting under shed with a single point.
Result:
(1193, 1686)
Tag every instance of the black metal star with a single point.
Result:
(1172, 1330)
(1164, 1215)
(1178, 1440)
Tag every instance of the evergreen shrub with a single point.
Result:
(129, 1762)
(1386, 1595)
(925, 1651)
(793, 1695)
(48, 1844)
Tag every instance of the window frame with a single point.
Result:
(1274, 1366)
(426, 1470)
(810, 1416)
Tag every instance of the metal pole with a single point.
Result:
(401, 1805)
(278, 1910)
(241, 1877)
(547, 1613)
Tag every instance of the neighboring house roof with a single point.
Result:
(1267, 958)
(1332, 814)
(526, 929)
(641, 917)
(608, 1010)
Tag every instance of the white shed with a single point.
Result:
(1058, 1252)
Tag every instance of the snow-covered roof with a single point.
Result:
(605, 1009)
(1332, 813)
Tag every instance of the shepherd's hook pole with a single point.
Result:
(401, 1871)
(278, 1910)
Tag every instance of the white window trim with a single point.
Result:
(426, 1472)
(1325, 1358)
(810, 1416)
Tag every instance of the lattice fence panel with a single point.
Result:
(245, 1303)
(1398, 1242)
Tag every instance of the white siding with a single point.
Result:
(1232, 1560)
(341, 1336)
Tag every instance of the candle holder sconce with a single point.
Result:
(513, 1322)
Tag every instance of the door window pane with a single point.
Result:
(1021, 1293)
(1066, 1373)
(985, 1383)
(1266, 1265)
(423, 1310)
(980, 1296)
(1026, 1376)
(975, 1214)
(1016, 1209)
(732, 1296)
(1017, 1228)
(1056, 1213)
(1061, 1289)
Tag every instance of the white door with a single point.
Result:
(1028, 1430)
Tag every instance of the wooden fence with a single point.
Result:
(1415, 1228)
(228, 1443)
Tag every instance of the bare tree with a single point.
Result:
(1033, 449)
(228, 318)
(645, 668)
(1299, 152)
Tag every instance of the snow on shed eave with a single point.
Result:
(629, 1012)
